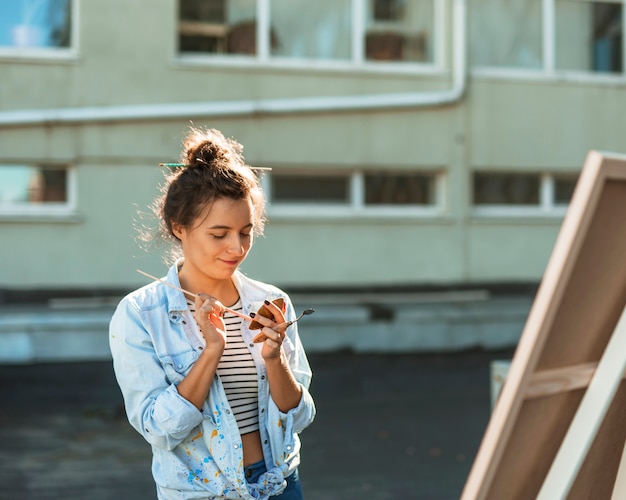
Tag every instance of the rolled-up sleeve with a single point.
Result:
(153, 405)
(300, 417)
(303, 414)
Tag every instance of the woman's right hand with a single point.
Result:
(196, 385)
(209, 315)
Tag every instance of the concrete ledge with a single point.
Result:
(54, 335)
(495, 323)
(73, 334)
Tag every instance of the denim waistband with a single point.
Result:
(253, 471)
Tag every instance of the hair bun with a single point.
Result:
(205, 153)
(210, 148)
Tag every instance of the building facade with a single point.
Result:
(413, 143)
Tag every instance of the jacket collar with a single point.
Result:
(176, 301)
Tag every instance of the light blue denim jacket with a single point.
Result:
(198, 454)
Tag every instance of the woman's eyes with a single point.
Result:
(222, 236)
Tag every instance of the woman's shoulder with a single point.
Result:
(147, 297)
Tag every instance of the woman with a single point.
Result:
(221, 412)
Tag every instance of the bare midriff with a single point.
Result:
(252, 449)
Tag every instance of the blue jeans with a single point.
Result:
(293, 491)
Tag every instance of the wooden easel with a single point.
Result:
(559, 426)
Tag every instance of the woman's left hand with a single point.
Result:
(284, 389)
(274, 330)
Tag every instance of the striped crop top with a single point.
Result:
(238, 374)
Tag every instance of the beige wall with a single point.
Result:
(536, 125)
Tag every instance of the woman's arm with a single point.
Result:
(162, 412)
(153, 405)
(196, 385)
(284, 389)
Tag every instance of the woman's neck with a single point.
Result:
(223, 290)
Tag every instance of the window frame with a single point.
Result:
(51, 210)
(548, 69)
(49, 53)
(356, 206)
(357, 62)
(547, 206)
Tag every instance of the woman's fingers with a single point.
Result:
(276, 311)
(272, 346)
(209, 304)
(273, 335)
(272, 325)
(217, 321)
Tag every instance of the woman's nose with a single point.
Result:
(236, 246)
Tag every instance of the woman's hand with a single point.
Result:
(196, 385)
(209, 315)
(274, 330)
(284, 389)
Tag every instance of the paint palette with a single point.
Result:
(264, 311)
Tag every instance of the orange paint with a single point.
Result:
(213, 434)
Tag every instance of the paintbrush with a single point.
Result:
(194, 295)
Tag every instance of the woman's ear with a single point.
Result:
(178, 231)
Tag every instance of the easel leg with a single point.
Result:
(588, 418)
(619, 489)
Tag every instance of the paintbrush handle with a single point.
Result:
(194, 295)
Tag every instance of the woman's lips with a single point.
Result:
(230, 262)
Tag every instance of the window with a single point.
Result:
(564, 189)
(324, 32)
(589, 36)
(565, 35)
(27, 189)
(314, 189)
(506, 33)
(521, 193)
(346, 31)
(506, 189)
(399, 189)
(27, 25)
(399, 30)
(370, 192)
(217, 26)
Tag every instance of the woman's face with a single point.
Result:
(219, 240)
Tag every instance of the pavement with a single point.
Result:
(389, 426)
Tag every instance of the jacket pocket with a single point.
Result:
(177, 366)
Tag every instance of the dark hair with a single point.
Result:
(212, 167)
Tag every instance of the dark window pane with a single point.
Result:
(399, 189)
(207, 11)
(607, 37)
(310, 189)
(26, 185)
(388, 10)
(563, 189)
(400, 30)
(506, 189)
(217, 26)
(589, 36)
